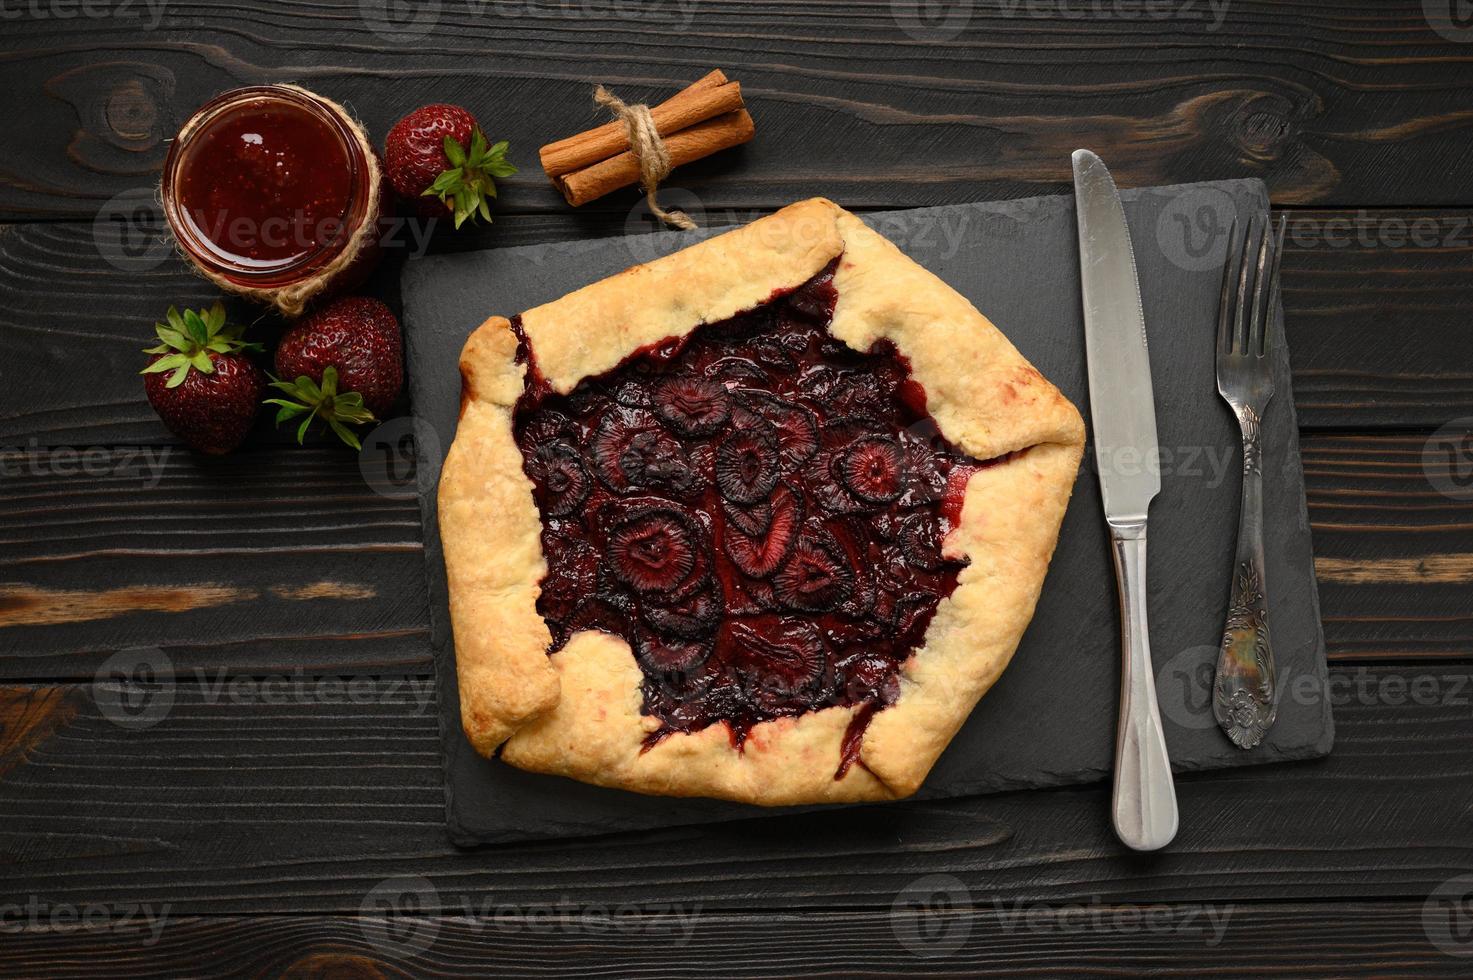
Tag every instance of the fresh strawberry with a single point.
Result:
(211, 391)
(438, 152)
(342, 364)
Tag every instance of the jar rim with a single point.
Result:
(207, 253)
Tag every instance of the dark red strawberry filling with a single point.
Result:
(756, 508)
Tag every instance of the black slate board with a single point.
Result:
(1050, 720)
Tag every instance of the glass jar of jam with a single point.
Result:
(275, 193)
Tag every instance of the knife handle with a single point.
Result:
(1144, 803)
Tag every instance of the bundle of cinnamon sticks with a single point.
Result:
(702, 118)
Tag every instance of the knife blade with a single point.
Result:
(1123, 421)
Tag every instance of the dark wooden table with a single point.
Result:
(245, 830)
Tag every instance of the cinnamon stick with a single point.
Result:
(710, 96)
(706, 116)
(700, 140)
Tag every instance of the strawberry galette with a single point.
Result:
(760, 520)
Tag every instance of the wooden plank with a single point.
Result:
(244, 801)
(978, 939)
(77, 307)
(1393, 543)
(912, 104)
(1377, 332)
(1375, 305)
(268, 560)
(280, 559)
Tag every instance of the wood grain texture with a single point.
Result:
(254, 799)
(914, 103)
(29, 716)
(1378, 334)
(269, 560)
(284, 558)
(1376, 307)
(239, 800)
(978, 939)
(1393, 548)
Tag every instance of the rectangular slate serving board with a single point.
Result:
(1050, 720)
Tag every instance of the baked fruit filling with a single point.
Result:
(756, 508)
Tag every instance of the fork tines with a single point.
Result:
(1234, 337)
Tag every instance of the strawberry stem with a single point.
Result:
(469, 183)
(308, 400)
(188, 339)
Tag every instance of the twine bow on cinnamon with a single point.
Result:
(643, 144)
(649, 150)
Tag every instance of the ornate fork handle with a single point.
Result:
(1245, 694)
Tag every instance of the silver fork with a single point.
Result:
(1245, 692)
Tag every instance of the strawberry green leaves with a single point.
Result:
(188, 339)
(469, 184)
(308, 400)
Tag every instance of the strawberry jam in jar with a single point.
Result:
(274, 192)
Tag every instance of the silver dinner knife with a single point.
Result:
(1123, 412)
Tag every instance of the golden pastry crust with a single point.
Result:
(578, 713)
(492, 538)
